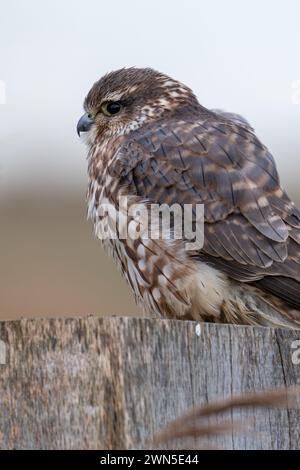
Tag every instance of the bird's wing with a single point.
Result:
(235, 117)
(252, 228)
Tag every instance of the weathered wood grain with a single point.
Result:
(94, 383)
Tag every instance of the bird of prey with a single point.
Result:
(151, 141)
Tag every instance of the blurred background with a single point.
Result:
(238, 56)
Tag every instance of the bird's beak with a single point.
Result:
(84, 123)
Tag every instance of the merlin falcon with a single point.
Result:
(151, 141)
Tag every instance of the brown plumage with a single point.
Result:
(161, 146)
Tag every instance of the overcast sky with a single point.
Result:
(239, 56)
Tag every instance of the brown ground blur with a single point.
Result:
(51, 264)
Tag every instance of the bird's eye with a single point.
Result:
(111, 108)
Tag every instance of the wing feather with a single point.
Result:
(252, 228)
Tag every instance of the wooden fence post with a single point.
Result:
(111, 383)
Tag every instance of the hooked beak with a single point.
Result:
(84, 123)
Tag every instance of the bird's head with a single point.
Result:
(126, 99)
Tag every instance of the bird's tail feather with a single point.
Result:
(249, 305)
